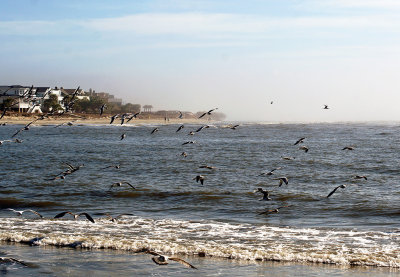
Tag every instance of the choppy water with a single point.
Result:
(358, 225)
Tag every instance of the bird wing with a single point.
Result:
(202, 115)
(62, 214)
(183, 262)
(87, 216)
(36, 213)
(129, 185)
(333, 191)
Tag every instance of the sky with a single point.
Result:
(197, 55)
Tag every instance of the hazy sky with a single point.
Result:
(197, 55)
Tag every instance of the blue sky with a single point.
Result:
(196, 55)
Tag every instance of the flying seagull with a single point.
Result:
(273, 210)
(102, 108)
(202, 127)
(163, 260)
(209, 112)
(326, 107)
(180, 128)
(333, 191)
(19, 213)
(301, 140)
(180, 115)
(271, 172)
(113, 118)
(119, 184)
(265, 193)
(288, 158)
(207, 167)
(191, 133)
(154, 130)
(184, 154)
(304, 148)
(234, 127)
(199, 178)
(360, 177)
(123, 136)
(348, 148)
(282, 180)
(75, 215)
(189, 142)
(117, 166)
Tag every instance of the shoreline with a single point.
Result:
(92, 119)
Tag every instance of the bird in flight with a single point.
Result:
(326, 107)
(184, 154)
(209, 112)
(123, 136)
(304, 148)
(19, 213)
(300, 140)
(180, 115)
(199, 178)
(335, 189)
(276, 210)
(360, 177)
(119, 184)
(348, 148)
(163, 260)
(282, 180)
(207, 167)
(189, 142)
(75, 216)
(180, 128)
(113, 118)
(114, 219)
(271, 172)
(265, 194)
(154, 130)
(102, 108)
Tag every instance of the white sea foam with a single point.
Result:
(236, 241)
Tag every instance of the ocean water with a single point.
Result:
(216, 226)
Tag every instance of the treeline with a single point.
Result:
(91, 105)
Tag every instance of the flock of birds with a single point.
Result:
(158, 258)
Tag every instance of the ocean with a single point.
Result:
(219, 226)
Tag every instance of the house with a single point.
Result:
(16, 92)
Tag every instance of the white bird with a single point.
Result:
(19, 213)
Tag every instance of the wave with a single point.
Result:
(212, 239)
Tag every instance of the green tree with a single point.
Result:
(51, 104)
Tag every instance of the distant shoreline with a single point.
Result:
(93, 119)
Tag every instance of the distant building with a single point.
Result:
(16, 92)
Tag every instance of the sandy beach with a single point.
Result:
(93, 119)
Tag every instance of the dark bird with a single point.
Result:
(273, 210)
(360, 177)
(288, 158)
(282, 180)
(123, 136)
(18, 140)
(234, 127)
(154, 130)
(117, 166)
(119, 184)
(207, 167)
(301, 140)
(271, 172)
(180, 128)
(304, 148)
(113, 118)
(326, 107)
(188, 142)
(26, 127)
(180, 115)
(184, 154)
(133, 116)
(102, 108)
(199, 178)
(272, 102)
(163, 260)
(348, 148)
(333, 191)
(75, 216)
(19, 213)
(191, 133)
(265, 193)
(62, 177)
(209, 112)
(202, 127)
(11, 260)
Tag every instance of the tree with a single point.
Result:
(7, 103)
(51, 104)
